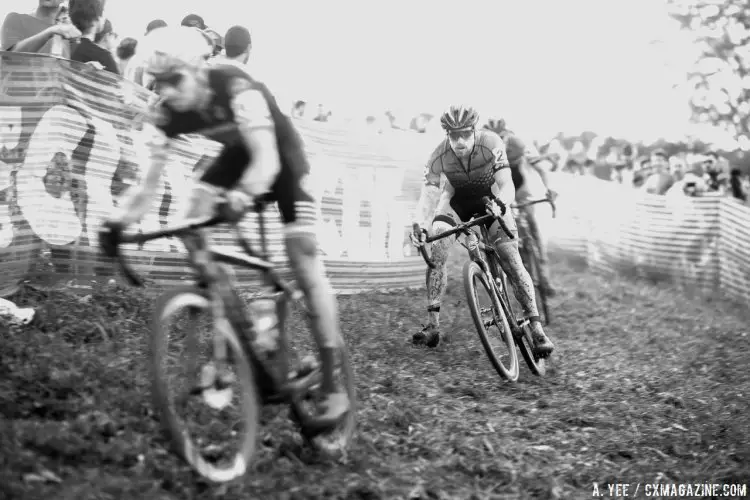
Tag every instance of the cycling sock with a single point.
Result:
(433, 312)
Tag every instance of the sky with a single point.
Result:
(546, 65)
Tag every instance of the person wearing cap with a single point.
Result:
(194, 21)
(215, 40)
(156, 23)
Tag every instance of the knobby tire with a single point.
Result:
(198, 299)
(473, 273)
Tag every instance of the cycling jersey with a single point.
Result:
(472, 181)
(517, 150)
(225, 83)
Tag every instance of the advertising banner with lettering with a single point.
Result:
(72, 140)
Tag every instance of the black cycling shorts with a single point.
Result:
(231, 164)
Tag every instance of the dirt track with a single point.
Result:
(647, 386)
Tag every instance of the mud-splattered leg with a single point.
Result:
(541, 246)
(436, 281)
(523, 286)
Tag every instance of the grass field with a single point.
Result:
(647, 385)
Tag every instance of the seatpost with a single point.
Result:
(260, 209)
(262, 227)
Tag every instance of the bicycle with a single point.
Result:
(484, 266)
(264, 379)
(528, 247)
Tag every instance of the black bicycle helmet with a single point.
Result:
(458, 118)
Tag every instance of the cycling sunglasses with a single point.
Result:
(461, 134)
(172, 79)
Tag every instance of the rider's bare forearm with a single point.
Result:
(542, 166)
(138, 200)
(503, 188)
(428, 201)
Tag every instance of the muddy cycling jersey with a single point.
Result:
(473, 180)
(215, 121)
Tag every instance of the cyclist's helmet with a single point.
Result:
(172, 48)
(497, 125)
(459, 118)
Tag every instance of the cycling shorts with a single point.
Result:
(295, 204)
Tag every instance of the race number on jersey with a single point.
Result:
(500, 159)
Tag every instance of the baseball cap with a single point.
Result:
(156, 23)
(215, 39)
(237, 40)
(194, 21)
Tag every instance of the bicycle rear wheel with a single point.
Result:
(301, 350)
(498, 342)
(185, 315)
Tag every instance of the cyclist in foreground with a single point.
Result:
(473, 164)
(263, 154)
(525, 160)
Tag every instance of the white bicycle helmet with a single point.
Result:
(171, 48)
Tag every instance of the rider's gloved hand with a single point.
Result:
(237, 203)
(418, 240)
(109, 237)
(552, 194)
(497, 208)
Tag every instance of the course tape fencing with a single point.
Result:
(72, 139)
(702, 243)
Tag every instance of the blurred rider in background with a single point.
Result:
(525, 161)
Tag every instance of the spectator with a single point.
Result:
(736, 185)
(298, 110)
(715, 179)
(156, 23)
(135, 71)
(660, 179)
(677, 167)
(323, 115)
(194, 21)
(216, 42)
(87, 16)
(237, 45)
(642, 173)
(106, 38)
(36, 32)
(125, 52)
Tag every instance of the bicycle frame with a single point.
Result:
(249, 260)
(478, 254)
(466, 226)
(226, 303)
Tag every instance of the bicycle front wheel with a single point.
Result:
(490, 321)
(212, 417)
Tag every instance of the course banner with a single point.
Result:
(73, 139)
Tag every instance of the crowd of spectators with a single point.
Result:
(658, 172)
(79, 30)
